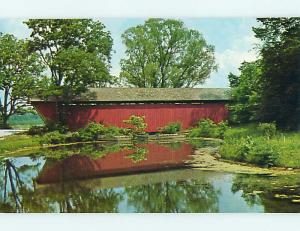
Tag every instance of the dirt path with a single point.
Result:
(207, 159)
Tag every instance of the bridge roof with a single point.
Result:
(152, 95)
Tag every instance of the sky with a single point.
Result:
(232, 38)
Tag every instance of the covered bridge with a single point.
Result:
(160, 106)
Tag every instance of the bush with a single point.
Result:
(91, 132)
(207, 128)
(37, 130)
(53, 138)
(268, 129)
(137, 125)
(252, 150)
(113, 131)
(263, 155)
(54, 126)
(171, 128)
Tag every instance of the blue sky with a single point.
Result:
(232, 37)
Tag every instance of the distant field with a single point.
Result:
(25, 121)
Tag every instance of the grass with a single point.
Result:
(250, 144)
(288, 145)
(16, 142)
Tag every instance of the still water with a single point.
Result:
(135, 178)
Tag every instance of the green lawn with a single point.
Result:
(16, 142)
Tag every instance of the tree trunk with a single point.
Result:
(5, 115)
(5, 122)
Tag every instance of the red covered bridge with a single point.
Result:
(160, 106)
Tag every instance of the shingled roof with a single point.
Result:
(153, 95)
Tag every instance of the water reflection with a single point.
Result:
(129, 178)
(276, 194)
(121, 160)
(174, 197)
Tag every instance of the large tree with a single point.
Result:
(280, 51)
(245, 92)
(76, 51)
(19, 72)
(164, 53)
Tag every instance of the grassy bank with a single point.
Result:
(16, 142)
(256, 145)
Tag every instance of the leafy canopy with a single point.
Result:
(280, 51)
(76, 51)
(20, 70)
(163, 53)
(245, 92)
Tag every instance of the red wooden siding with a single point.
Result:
(80, 167)
(156, 115)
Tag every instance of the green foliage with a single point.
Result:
(25, 120)
(261, 144)
(171, 128)
(207, 128)
(54, 126)
(268, 129)
(37, 130)
(280, 82)
(92, 132)
(20, 71)
(245, 93)
(53, 138)
(77, 53)
(138, 155)
(250, 150)
(92, 150)
(137, 125)
(164, 53)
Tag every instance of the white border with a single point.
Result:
(147, 8)
(153, 8)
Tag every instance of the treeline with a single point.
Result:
(64, 57)
(268, 89)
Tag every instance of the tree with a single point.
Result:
(245, 92)
(19, 72)
(280, 51)
(77, 53)
(163, 53)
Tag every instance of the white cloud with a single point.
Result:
(230, 60)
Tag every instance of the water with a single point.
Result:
(135, 178)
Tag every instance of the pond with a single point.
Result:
(148, 177)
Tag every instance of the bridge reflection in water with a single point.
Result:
(138, 158)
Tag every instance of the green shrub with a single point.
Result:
(268, 129)
(92, 132)
(263, 155)
(222, 127)
(207, 128)
(251, 150)
(171, 128)
(37, 130)
(54, 126)
(113, 131)
(137, 125)
(53, 138)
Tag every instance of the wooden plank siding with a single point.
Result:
(156, 115)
